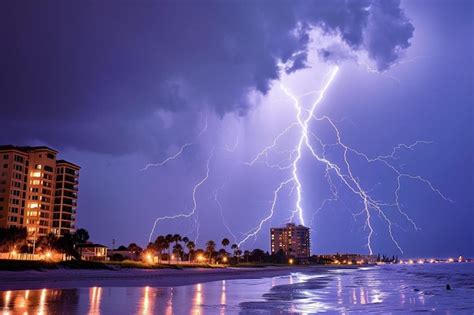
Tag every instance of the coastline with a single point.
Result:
(70, 278)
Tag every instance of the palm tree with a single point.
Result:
(176, 239)
(134, 249)
(246, 255)
(238, 253)
(178, 250)
(225, 243)
(185, 240)
(190, 245)
(235, 248)
(168, 240)
(80, 237)
(210, 247)
(159, 245)
(47, 242)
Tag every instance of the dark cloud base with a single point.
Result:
(86, 74)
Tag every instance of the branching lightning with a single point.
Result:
(177, 154)
(221, 211)
(344, 172)
(193, 211)
(337, 172)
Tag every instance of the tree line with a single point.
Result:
(15, 238)
(174, 247)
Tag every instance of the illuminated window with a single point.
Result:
(33, 205)
(35, 174)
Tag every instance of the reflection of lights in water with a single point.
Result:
(42, 302)
(7, 298)
(169, 304)
(95, 294)
(363, 297)
(339, 290)
(354, 297)
(223, 297)
(147, 303)
(146, 300)
(197, 301)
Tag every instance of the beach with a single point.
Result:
(73, 278)
(384, 289)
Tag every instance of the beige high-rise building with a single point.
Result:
(293, 240)
(65, 203)
(37, 191)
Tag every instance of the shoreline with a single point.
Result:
(70, 278)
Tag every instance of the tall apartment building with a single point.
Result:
(37, 191)
(293, 240)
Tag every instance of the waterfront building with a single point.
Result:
(37, 191)
(293, 240)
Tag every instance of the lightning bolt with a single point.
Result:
(343, 173)
(177, 154)
(276, 192)
(193, 212)
(221, 211)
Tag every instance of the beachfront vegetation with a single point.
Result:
(14, 239)
(176, 249)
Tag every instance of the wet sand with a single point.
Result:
(68, 278)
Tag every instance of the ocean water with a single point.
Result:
(380, 289)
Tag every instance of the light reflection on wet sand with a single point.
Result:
(342, 291)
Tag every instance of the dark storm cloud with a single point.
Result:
(86, 74)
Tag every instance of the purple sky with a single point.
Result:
(117, 85)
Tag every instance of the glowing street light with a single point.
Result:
(149, 258)
(291, 261)
(224, 259)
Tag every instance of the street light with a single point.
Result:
(149, 258)
(291, 261)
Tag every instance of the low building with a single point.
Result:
(95, 252)
(293, 240)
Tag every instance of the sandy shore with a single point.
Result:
(67, 278)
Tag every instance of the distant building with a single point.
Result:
(293, 240)
(347, 258)
(37, 191)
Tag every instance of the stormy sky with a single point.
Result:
(115, 85)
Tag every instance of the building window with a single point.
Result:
(5, 156)
(5, 165)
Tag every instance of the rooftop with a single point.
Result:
(68, 163)
(26, 149)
